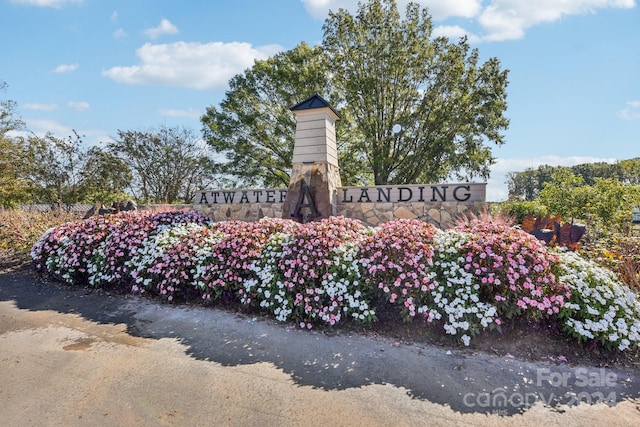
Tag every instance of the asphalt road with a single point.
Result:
(72, 356)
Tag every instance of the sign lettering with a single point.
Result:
(415, 193)
(243, 197)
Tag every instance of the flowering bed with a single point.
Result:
(463, 280)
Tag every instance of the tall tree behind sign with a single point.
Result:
(412, 108)
(253, 127)
(423, 106)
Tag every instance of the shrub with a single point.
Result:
(601, 308)
(466, 279)
(397, 258)
(518, 209)
(619, 253)
(311, 274)
(65, 251)
(513, 268)
(224, 265)
(627, 260)
(95, 250)
(163, 264)
(454, 299)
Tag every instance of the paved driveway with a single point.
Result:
(72, 356)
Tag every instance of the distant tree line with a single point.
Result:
(528, 184)
(600, 195)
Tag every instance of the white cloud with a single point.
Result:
(496, 186)
(498, 20)
(165, 27)
(119, 33)
(78, 105)
(40, 107)
(194, 65)
(43, 126)
(442, 9)
(439, 9)
(453, 32)
(320, 8)
(509, 19)
(65, 68)
(114, 16)
(56, 4)
(632, 112)
(92, 137)
(191, 113)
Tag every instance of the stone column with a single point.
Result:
(315, 175)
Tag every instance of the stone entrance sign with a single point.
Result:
(413, 193)
(315, 175)
(315, 190)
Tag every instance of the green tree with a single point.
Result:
(55, 168)
(59, 171)
(412, 109)
(14, 187)
(630, 171)
(253, 127)
(612, 202)
(590, 172)
(424, 107)
(527, 185)
(9, 118)
(104, 177)
(605, 206)
(566, 195)
(168, 164)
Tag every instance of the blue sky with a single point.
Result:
(99, 66)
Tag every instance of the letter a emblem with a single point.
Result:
(305, 201)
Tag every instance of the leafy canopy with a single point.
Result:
(528, 184)
(168, 164)
(605, 205)
(391, 72)
(14, 188)
(9, 118)
(413, 108)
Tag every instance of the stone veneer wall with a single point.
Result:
(322, 178)
(441, 214)
(240, 211)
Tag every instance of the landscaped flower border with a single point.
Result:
(463, 280)
(601, 308)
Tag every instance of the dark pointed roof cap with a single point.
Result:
(316, 101)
